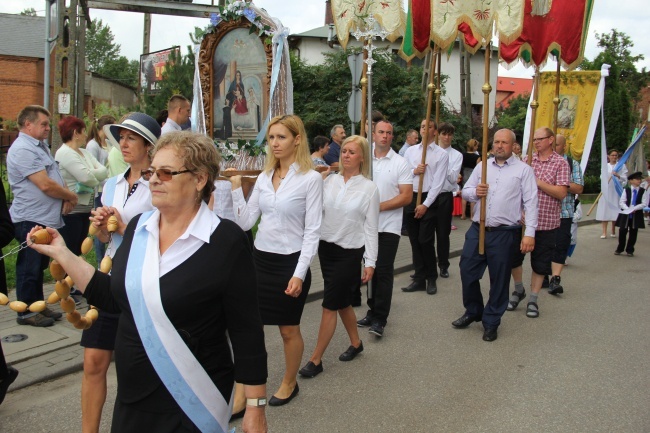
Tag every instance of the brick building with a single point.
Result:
(22, 67)
(21, 63)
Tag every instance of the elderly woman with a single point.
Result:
(82, 173)
(183, 284)
(288, 195)
(125, 196)
(348, 233)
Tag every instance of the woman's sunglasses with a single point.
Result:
(163, 174)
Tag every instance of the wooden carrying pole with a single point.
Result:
(438, 90)
(533, 108)
(556, 99)
(487, 89)
(364, 96)
(425, 137)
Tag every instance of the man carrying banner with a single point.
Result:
(510, 188)
(421, 218)
(552, 174)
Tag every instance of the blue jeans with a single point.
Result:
(29, 269)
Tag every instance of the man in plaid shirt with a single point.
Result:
(552, 175)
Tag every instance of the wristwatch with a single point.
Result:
(256, 402)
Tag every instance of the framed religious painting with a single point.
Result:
(235, 73)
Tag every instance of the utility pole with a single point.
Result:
(80, 76)
(146, 36)
(65, 63)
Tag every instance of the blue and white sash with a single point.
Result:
(178, 369)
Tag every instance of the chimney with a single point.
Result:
(328, 13)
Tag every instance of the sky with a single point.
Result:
(629, 16)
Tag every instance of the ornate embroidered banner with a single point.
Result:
(349, 14)
(560, 26)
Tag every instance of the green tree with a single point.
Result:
(321, 93)
(100, 46)
(514, 116)
(30, 12)
(104, 57)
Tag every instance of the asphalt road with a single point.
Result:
(582, 366)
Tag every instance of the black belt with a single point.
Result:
(499, 228)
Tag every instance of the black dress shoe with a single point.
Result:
(415, 286)
(444, 272)
(351, 353)
(365, 322)
(12, 373)
(238, 415)
(275, 401)
(311, 370)
(432, 288)
(465, 320)
(490, 334)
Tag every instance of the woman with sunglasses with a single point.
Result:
(124, 196)
(288, 195)
(182, 283)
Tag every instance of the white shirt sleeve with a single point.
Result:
(313, 217)
(370, 228)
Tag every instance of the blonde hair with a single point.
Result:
(364, 169)
(197, 153)
(296, 128)
(472, 145)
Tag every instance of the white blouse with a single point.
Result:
(291, 216)
(351, 214)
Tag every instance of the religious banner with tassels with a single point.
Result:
(550, 25)
(441, 21)
(577, 96)
(349, 14)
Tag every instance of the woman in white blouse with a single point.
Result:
(348, 233)
(288, 195)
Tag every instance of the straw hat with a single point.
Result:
(140, 123)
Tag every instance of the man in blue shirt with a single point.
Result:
(40, 198)
(338, 135)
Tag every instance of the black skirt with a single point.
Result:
(102, 334)
(341, 269)
(273, 274)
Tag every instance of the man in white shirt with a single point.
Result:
(444, 204)
(421, 218)
(178, 113)
(393, 178)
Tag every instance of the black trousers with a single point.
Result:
(622, 235)
(442, 209)
(500, 246)
(382, 279)
(3, 365)
(422, 234)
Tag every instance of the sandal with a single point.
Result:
(515, 299)
(532, 310)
